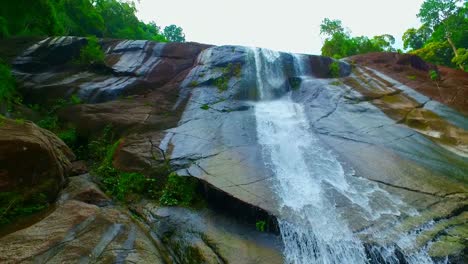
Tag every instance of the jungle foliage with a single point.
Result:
(100, 18)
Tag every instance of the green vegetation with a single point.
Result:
(231, 70)
(193, 84)
(260, 226)
(334, 68)
(101, 18)
(169, 188)
(90, 54)
(205, 107)
(442, 39)
(434, 75)
(7, 85)
(411, 77)
(178, 191)
(14, 205)
(222, 83)
(339, 43)
(337, 83)
(50, 121)
(174, 33)
(118, 183)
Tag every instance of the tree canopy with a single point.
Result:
(443, 37)
(339, 42)
(101, 18)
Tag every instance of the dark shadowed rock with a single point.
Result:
(32, 160)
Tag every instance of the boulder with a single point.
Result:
(79, 231)
(32, 160)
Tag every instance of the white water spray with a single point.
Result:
(308, 177)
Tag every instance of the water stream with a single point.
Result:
(309, 179)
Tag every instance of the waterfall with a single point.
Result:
(308, 177)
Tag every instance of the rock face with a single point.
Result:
(32, 160)
(82, 229)
(386, 162)
(86, 228)
(451, 88)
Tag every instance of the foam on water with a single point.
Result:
(308, 178)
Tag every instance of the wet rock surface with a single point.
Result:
(196, 103)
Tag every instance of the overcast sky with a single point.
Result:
(284, 25)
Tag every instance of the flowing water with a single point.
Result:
(309, 178)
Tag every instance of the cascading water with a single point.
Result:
(308, 177)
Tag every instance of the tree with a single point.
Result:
(462, 58)
(416, 38)
(331, 27)
(384, 42)
(339, 43)
(174, 33)
(441, 13)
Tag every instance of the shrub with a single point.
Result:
(7, 84)
(222, 83)
(334, 69)
(75, 100)
(260, 226)
(3, 28)
(69, 136)
(91, 53)
(434, 75)
(178, 191)
(14, 205)
(49, 123)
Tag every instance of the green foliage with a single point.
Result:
(416, 38)
(339, 43)
(91, 54)
(332, 27)
(222, 83)
(20, 121)
(193, 84)
(69, 137)
(260, 226)
(7, 84)
(75, 100)
(462, 58)
(411, 77)
(334, 68)
(118, 183)
(443, 34)
(434, 75)
(14, 205)
(436, 12)
(178, 191)
(102, 18)
(174, 33)
(49, 123)
(436, 52)
(205, 107)
(231, 70)
(337, 83)
(3, 28)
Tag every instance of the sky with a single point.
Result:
(283, 25)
